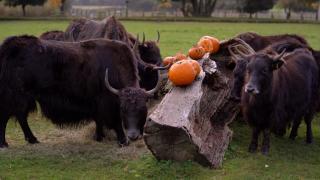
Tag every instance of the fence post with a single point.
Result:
(318, 14)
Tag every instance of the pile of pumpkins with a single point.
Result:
(184, 70)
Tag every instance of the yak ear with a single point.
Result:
(276, 64)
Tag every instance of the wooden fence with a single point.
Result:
(121, 11)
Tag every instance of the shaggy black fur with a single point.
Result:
(148, 53)
(277, 43)
(277, 94)
(67, 79)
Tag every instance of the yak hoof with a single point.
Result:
(32, 140)
(124, 143)
(309, 141)
(253, 148)
(4, 145)
(265, 151)
(292, 137)
(98, 138)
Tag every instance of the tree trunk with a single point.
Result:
(288, 13)
(203, 8)
(183, 8)
(23, 6)
(191, 123)
(318, 14)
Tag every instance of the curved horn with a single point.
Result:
(136, 44)
(242, 51)
(246, 46)
(162, 68)
(280, 56)
(234, 55)
(158, 39)
(143, 38)
(155, 89)
(109, 87)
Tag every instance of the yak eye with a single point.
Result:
(264, 71)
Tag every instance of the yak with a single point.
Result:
(148, 53)
(259, 42)
(278, 91)
(74, 83)
(277, 43)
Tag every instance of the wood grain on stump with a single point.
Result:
(191, 123)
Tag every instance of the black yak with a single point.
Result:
(279, 92)
(251, 43)
(95, 80)
(148, 53)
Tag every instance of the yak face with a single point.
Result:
(133, 110)
(259, 72)
(238, 79)
(150, 53)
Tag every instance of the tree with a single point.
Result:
(24, 3)
(198, 8)
(253, 6)
(295, 5)
(58, 4)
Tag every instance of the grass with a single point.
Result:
(72, 154)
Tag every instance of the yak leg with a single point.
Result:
(266, 142)
(308, 119)
(254, 140)
(99, 131)
(294, 129)
(3, 124)
(28, 135)
(122, 138)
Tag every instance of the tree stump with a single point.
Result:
(191, 123)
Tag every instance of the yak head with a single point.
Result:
(148, 51)
(238, 79)
(133, 107)
(259, 71)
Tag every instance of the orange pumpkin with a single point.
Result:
(215, 43)
(195, 65)
(206, 44)
(180, 56)
(168, 60)
(196, 52)
(182, 73)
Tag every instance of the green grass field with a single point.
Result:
(72, 154)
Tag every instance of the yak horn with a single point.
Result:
(234, 55)
(280, 56)
(155, 89)
(136, 44)
(143, 38)
(109, 87)
(246, 46)
(162, 67)
(241, 50)
(158, 39)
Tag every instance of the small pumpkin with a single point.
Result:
(180, 56)
(206, 44)
(196, 66)
(196, 52)
(168, 60)
(215, 43)
(182, 73)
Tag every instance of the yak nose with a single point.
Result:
(133, 136)
(251, 89)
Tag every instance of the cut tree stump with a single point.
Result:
(191, 123)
